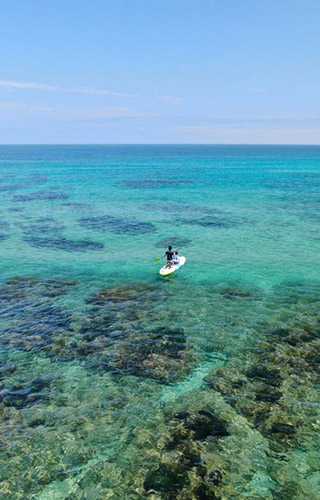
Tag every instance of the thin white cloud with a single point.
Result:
(62, 113)
(21, 106)
(170, 99)
(100, 113)
(41, 109)
(12, 85)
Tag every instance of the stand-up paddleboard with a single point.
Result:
(164, 271)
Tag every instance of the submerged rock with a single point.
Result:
(168, 479)
(283, 428)
(24, 395)
(263, 372)
(270, 386)
(159, 356)
(31, 320)
(6, 370)
(185, 470)
(121, 335)
(202, 425)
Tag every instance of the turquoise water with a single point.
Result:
(117, 383)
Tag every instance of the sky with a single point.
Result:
(159, 71)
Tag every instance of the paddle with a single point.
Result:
(159, 258)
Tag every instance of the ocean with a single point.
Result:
(119, 383)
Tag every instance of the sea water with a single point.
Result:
(118, 383)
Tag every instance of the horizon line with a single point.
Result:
(152, 144)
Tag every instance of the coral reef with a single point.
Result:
(121, 335)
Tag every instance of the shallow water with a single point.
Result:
(117, 383)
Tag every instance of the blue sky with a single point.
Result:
(160, 71)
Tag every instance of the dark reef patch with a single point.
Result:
(16, 209)
(31, 320)
(4, 225)
(211, 221)
(39, 178)
(179, 208)
(22, 395)
(175, 241)
(12, 187)
(123, 336)
(154, 183)
(21, 286)
(62, 243)
(294, 292)
(43, 227)
(8, 176)
(116, 224)
(6, 370)
(41, 196)
(3, 237)
(282, 366)
(183, 470)
(82, 207)
(239, 291)
(199, 426)
(167, 479)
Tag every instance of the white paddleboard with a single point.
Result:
(164, 271)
